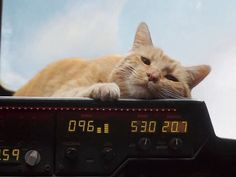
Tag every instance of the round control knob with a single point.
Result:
(32, 157)
(71, 153)
(175, 143)
(144, 143)
(108, 154)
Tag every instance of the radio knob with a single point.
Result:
(144, 143)
(32, 157)
(175, 143)
(108, 154)
(71, 153)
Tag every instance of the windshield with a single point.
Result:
(36, 33)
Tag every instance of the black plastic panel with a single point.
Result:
(74, 137)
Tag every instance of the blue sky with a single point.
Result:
(38, 32)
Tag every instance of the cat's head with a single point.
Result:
(147, 72)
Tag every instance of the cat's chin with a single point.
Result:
(150, 90)
(152, 87)
(155, 91)
(137, 92)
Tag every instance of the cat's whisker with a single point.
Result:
(131, 68)
(162, 95)
(137, 75)
(127, 70)
(170, 93)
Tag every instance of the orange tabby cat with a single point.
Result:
(146, 73)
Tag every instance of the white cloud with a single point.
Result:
(82, 30)
(219, 91)
(11, 78)
(198, 4)
(87, 29)
(8, 77)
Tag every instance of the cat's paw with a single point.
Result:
(105, 91)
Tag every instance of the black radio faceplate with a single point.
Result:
(100, 139)
(93, 138)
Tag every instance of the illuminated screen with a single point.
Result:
(158, 126)
(87, 126)
(10, 155)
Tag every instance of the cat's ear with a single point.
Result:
(197, 74)
(142, 36)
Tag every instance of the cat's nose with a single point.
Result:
(153, 76)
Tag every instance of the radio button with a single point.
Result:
(144, 143)
(175, 143)
(32, 157)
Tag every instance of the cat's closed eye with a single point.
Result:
(145, 60)
(171, 77)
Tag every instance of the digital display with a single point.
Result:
(87, 126)
(174, 127)
(136, 126)
(9, 155)
(144, 126)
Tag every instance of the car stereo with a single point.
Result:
(126, 138)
